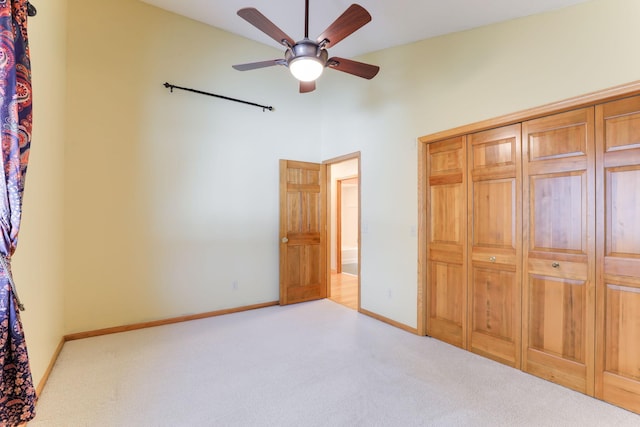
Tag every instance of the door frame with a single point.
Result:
(329, 241)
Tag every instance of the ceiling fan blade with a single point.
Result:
(306, 87)
(360, 69)
(261, 64)
(352, 19)
(261, 22)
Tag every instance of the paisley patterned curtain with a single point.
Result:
(17, 394)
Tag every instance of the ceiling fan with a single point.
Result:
(306, 59)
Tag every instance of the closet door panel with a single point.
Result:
(496, 200)
(495, 221)
(618, 291)
(561, 322)
(559, 249)
(446, 249)
(557, 211)
(622, 225)
(446, 281)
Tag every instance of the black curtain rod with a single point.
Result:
(171, 87)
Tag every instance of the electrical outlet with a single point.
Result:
(389, 294)
(234, 285)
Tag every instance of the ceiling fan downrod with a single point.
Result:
(306, 19)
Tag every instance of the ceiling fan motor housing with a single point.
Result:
(306, 49)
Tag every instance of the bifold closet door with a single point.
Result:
(618, 291)
(495, 243)
(446, 244)
(559, 249)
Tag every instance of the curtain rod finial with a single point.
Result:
(31, 9)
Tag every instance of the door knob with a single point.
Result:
(492, 259)
(555, 265)
(285, 240)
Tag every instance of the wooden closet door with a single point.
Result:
(446, 245)
(495, 244)
(618, 285)
(559, 249)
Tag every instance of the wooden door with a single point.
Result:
(446, 242)
(559, 249)
(618, 253)
(303, 220)
(495, 243)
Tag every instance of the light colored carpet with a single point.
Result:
(311, 364)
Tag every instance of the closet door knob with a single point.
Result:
(492, 259)
(555, 265)
(285, 240)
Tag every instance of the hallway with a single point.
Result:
(344, 290)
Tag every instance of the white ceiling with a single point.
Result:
(395, 22)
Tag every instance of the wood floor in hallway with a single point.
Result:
(344, 290)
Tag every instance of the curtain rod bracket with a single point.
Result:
(172, 86)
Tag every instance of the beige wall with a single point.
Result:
(38, 262)
(448, 81)
(171, 197)
(349, 216)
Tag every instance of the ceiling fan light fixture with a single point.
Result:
(306, 69)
